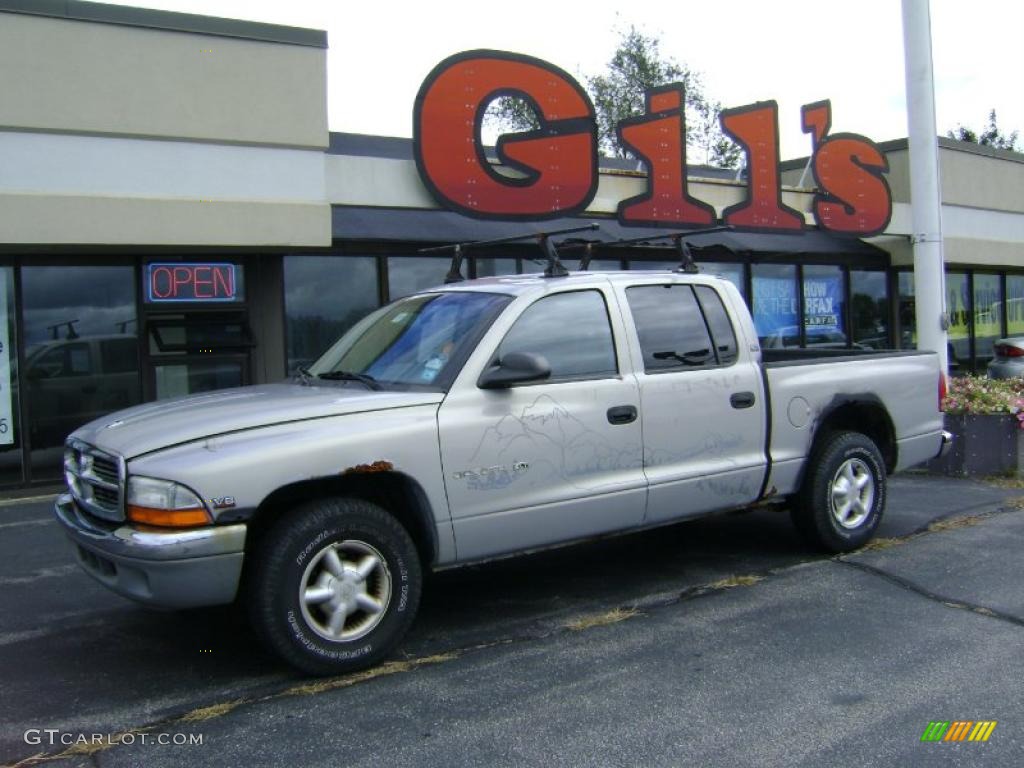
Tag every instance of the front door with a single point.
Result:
(196, 328)
(540, 463)
(196, 351)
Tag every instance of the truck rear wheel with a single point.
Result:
(842, 498)
(335, 586)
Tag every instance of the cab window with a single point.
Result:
(571, 331)
(674, 333)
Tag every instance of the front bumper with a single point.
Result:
(173, 569)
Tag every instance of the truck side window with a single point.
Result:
(718, 322)
(571, 330)
(673, 334)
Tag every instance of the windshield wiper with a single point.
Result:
(302, 374)
(694, 357)
(362, 378)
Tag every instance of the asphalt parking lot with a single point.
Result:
(715, 642)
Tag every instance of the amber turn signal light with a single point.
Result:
(168, 518)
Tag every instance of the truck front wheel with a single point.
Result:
(842, 498)
(335, 586)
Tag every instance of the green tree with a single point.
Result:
(637, 65)
(992, 136)
(706, 136)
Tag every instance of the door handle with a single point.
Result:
(742, 399)
(622, 414)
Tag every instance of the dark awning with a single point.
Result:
(357, 223)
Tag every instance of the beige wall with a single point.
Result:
(981, 178)
(113, 133)
(83, 77)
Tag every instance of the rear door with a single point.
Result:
(548, 461)
(701, 410)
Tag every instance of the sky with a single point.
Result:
(792, 51)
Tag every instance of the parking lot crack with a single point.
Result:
(948, 602)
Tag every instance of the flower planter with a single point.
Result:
(982, 445)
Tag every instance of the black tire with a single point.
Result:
(294, 558)
(841, 460)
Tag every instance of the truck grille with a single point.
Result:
(95, 479)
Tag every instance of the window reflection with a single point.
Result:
(988, 321)
(1014, 305)
(596, 265)
(10, 428)
(582, 346)
(869, 299)
(776, 308)
(958, 305)
(906, 312)
(824, 307)
(487, 267)
(81, 352)
(324, 296)
(730, 271)
(409, 274)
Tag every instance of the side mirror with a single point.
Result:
(515, 368)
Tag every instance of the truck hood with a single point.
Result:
(144, 428)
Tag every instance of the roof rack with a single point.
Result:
(554, 268)
(686, 263)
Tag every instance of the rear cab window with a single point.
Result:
(681, 327)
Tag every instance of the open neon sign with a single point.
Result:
(177, 282)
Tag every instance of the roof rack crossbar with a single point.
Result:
(554, 268)
(679, 243)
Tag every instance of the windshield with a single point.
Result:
(419, 340)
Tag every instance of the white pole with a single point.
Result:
(925, 194)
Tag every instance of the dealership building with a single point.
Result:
(176, 217)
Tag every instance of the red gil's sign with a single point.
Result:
(190, 282)
(559, 166)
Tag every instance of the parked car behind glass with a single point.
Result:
(1009, 359)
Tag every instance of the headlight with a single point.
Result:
(161, 502)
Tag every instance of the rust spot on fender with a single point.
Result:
(362, 469)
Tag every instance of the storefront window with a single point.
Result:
(906, 312)
(869, 303)
(10, 428)
(776, 308)
(731, 272)
(596, 265)
(958, 305)
(324, 296)
(1014, 305)
(493, 267)
(824, 307)
(81, 353)
(409, 274)
(658, 265)
(988, 321)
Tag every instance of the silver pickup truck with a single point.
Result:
(478, 420)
